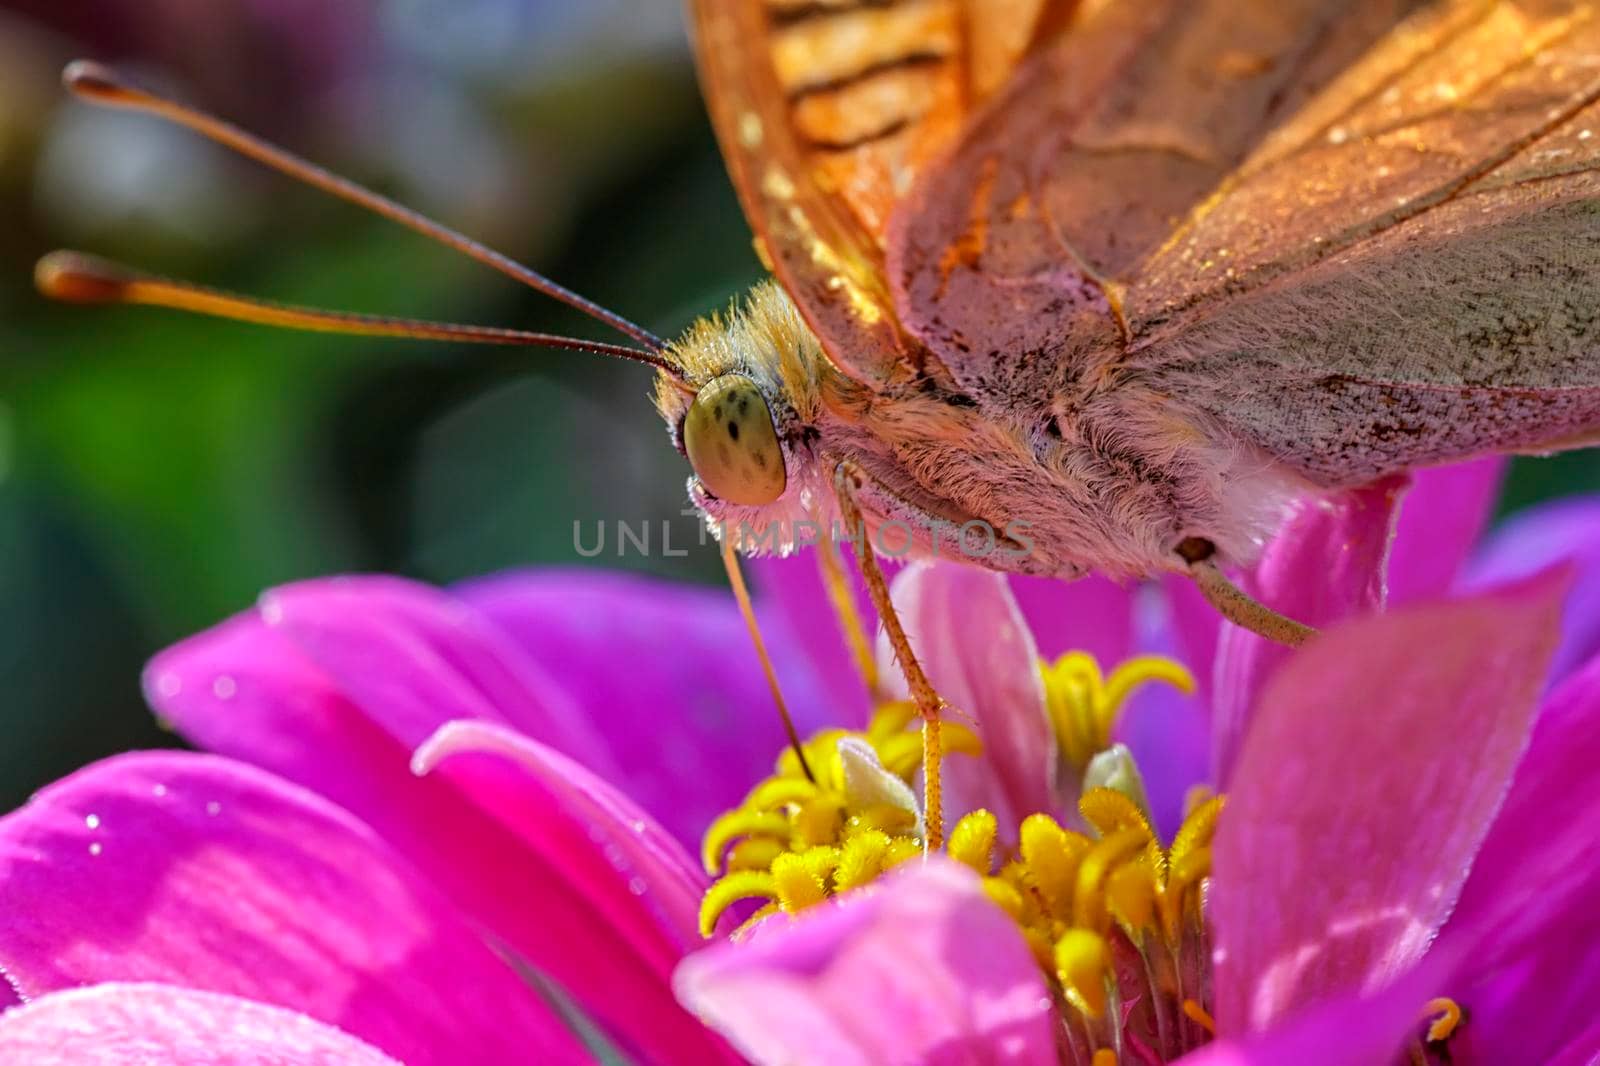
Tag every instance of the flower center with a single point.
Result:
(1114, 917)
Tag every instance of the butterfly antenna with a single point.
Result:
(99, 84)
(73, 277)
(730, 559)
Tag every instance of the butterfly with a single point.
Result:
(1098, 285)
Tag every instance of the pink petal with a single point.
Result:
(1348, 1031)
(427, 658)
(922, 969)
(1326, 564)
(1375, 764)
(1196, 628)
(244, 689)
(1441, 519)
(1526, 922)
(1093, 614)
(689, 723)
(794, 608)
(970, 638)
(138, 1024)
(618, 839)
(1562, 532)
(199, 871)
(1581, 1050)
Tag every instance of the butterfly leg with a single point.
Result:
(848, 480)
(1233, 603)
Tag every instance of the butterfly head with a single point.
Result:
(744, 412)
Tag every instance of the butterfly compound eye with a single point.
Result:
(732, 444)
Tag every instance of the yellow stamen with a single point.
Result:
(891, 718)
(1083, 962)
(1448, 1018)
(1104, 1057)
(861, 860)
(755, 853)
(726, 891)
(775, 792)
(972, 840)
(734, 824)
(901, 849)
(1131, 897)
(1200, 1016)
(1052, 856)
(819, 821)
(800, 879)
(1084, 705)
(844, 606)
(1088, 904)
(1005, 896)
(884, 816)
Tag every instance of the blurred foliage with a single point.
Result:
(157, 472)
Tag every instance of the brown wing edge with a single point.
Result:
(818, 253)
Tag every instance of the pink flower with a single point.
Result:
(1367, 784)
(412, 786)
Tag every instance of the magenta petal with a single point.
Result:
(1348, 1031)
(1441, 519)
(199, 871)
(665, 672)
(1527, 922)
(619, 841)
(1093, 614)
(1375, 764)
(244, 689)
(970, 638)
(1563, 532)
(419, 657)
(138, 1024)
(1326, 564)
(921, 969)
(795, 610)
(1581, 1050)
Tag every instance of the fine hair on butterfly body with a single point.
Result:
(1127, 274)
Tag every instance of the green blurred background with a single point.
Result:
(157, 472)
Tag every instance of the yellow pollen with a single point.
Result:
(861, 860)
(1104, 1057)
(1446, 1015)
(802, 879)
(1200, 1016)
(972, 840)
(1084, 704)
(1083, 966)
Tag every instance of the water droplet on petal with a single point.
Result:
(92, 821)
(95, 848)
(637, 886)
(213, 808)
(224, 687)
(158, 791)
(169, 684)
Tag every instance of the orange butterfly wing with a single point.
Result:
(1010, 258)
(827, 112)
